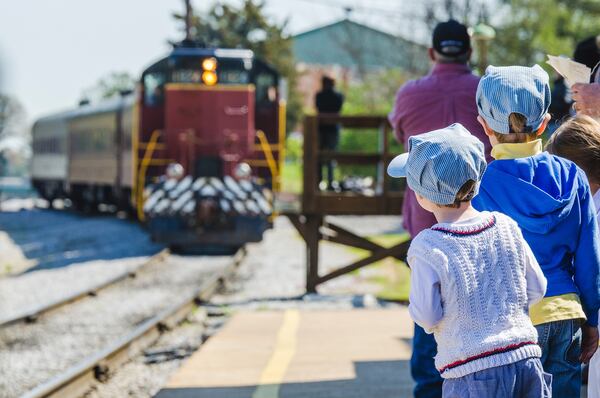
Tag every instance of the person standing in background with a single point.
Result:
(587, 52)
(328, 101)
(560, 105)
(444, 97)
(587, 99)
(587, 96)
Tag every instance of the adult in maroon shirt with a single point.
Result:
(445, 96)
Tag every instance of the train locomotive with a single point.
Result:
(194, 152)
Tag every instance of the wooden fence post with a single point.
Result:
(313, 236)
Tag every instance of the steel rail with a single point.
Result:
(32, 314)
(78, 379)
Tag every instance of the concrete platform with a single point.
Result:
(346, 353)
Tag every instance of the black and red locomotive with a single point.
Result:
(194, 152)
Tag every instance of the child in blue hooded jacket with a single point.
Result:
(549, 198)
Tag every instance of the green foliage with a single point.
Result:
(12, 117)
(293, 148)
(15, 138)
(390, 275)
(465, 11)
(291, 177)
(530, 29)
(359, 140)
(292, 168)
(375, 94)
(110, 85)
(247, 26)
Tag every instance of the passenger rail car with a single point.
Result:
(198, 117)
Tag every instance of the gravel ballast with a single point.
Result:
(52, 239)
(57, 253)
(32, 353)
(67, 252)
(270, 277)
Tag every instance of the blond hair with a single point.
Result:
(518, 131)
(578, 139)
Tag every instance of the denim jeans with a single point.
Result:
(561, 347)
(522, 379)
(422, 367)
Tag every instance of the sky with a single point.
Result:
(51, 51)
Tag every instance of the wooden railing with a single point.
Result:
(315, 201)
(311, 223)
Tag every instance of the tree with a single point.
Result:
(526, 30)
(14, 137)
(112, 84)
(12, 118)
(247, 26)
(374, 95)
(530, 29)
(468, 12)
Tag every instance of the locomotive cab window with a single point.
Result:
(266, 81)
(233, 74)
(154, 88)
(266, 88)
(187, 76)
(228, 71)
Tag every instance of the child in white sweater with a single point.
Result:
(472, 275)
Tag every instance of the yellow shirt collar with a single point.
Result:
(515, 151)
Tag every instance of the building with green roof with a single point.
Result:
(350, 45)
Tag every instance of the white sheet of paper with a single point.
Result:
(572, 71)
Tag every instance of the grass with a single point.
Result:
(392, 275)
(291, 176)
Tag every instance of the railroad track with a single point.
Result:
(32, 314)
(75, 380)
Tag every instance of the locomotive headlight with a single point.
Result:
(209, 78)
(175, 170)
(242, 171)
(209, 64)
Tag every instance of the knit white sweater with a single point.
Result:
(481, 273)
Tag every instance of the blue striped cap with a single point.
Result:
(513, 89)
(440, 162)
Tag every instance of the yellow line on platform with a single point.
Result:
(285, 349)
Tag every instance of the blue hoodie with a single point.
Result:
(549, 197)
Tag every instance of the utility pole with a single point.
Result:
(188, 20)
(482, 34)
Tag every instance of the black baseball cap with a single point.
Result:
(451, 38)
